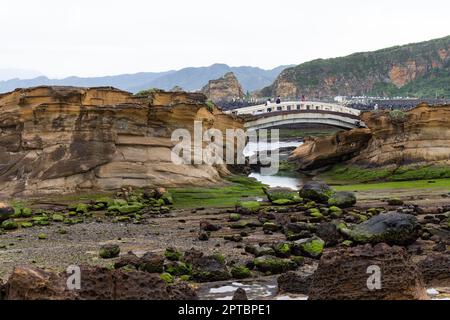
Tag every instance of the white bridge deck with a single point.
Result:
(293, 112)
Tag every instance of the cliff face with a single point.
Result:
(420, 136)
(226, 88)
(420, 69)
(65, 139)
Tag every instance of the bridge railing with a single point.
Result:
(293, 106)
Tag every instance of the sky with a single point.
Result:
(105, 37)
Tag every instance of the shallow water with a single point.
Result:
(294, 183)
(253, 148)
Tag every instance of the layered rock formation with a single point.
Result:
(393, 138)
(344, 274)
(226, 88)
(66, 139)
(419, 69)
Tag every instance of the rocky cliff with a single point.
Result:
(66, 139)
(420, 69)
(226, 88)
(420, 136)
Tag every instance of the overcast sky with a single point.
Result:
(101, 37)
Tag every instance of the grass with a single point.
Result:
(396, 185)
(343, 174)
(221, 196)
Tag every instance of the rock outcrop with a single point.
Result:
(66, 139)
(28, 283)
(415, 69)
(226, 88)
(343, 274)
(393, 138)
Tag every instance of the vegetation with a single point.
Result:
(223, 196)
(343, 174)
(418, 184)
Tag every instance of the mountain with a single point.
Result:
(417, 70)
(190, 79)
(226, 88)
(11, 73)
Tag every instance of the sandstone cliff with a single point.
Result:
(420, 69)
(393, 138)
(66, 139)
(226, 88)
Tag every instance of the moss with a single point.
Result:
(82, 208)
(299, 260)
(312, 247)
(219, 257)
(235, 217)
(240, 272)
(9, 225)
(41, 220)
(282, 249)
(347, 243)
(273, 265)
(58, 218)
(314, 212)
(42, 236)
(237, 188)
(249, 206)
(283, 202)
(172, 254)
(26, 224)
(178, 268)
(185, 277)
(167, 277)
(109, 251)
(210, 105)
(335, 211)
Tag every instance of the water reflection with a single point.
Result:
(294, 183)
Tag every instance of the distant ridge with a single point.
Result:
(190, 79)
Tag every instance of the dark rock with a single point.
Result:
(208, 226)
(151, 263)
(209, 268)
(395, 202)
(275, 194)
(344, 274)
(234, 238)
(329, 233)
(342, 199)
(316, 191)
(440, 247)
(203, 236)
(294, 282)
(129, 259)
(259, 251)
(6, 212)
(391, 228)
(240, 295)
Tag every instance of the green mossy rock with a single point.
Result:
(316, 191)
(283, 249)
(342, 199)
(57, 218)
(9, 225)
(109, 251)
(241, 272)
(314, 212)
(172, 254)
(26, 225)
(270, 226)
(42, 236)
(248, 207)
(178, 268)
(82, 208)
(312, 247)
(167, 277)
(273, 264)
(276, 194)
(395, 202)
(235, 217)
(335, 211)
(283, 202)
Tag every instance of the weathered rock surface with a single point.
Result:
(226, 88)
(294, 282)
(435, 269)
(28, 283)
(391, 228)
(65, 139)
(316, 191)
(393, 138)
(342, 275)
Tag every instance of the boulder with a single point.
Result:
(109, 251)
(208, 226)
(316, 191)
(294, 282)
(209, 268)
(329, 233)
(273, 264)
(275, 194)
(342, 199)
(391, 228)
(312, 247)
(152, 263)
(129, 259)
(346, 274)
(240, 295)
(6, 211)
